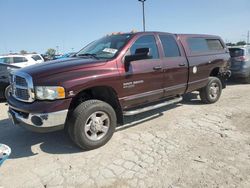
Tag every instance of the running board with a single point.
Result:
(148, 108)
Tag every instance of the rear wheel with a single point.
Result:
(92, 124)
(212, 91)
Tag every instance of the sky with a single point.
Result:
(36, 25)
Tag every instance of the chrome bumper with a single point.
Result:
(44, 122)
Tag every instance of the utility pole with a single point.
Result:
(143, 13)
(248, 33)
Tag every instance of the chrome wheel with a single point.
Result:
(214, 90)
(97, 125)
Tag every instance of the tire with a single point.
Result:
(91, 124)
(212, 91)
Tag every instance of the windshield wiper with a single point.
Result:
(88, 55)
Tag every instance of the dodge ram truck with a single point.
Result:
(118, 75)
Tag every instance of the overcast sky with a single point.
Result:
(36, 25)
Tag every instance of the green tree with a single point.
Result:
(23, 52)
(51, 52)
(230, 44)
(241, 43)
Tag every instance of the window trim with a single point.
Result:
(156, 43)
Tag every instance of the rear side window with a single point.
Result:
(147, 41)
(19, 59)
(6, 60)
(170, 46)
(236, 52)
(36, 57)
(214, 44)
(204, 45)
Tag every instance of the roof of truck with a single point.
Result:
(160, 32)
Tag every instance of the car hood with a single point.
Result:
(61, 65)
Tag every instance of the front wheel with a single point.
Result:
(92, 124)
(212, 91)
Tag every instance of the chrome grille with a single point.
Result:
(22, 86)
(21, 81)
(22, 94)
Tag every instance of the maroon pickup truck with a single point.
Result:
(118, 75)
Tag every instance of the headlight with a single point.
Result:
(49, 92)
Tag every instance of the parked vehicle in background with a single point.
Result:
(19, 60)
(240, 62)
(65, 55)
(11, 62)
(37, 57)
(4, 77)
(118, 75)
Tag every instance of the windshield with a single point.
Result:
(236, 52)
(105, 48)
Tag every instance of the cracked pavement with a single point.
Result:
(183, 145)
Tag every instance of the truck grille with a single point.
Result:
(21, 81)
(22, 94)
(22, 86)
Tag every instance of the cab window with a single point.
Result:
(19, 59)
(146, 41)
(170, 46)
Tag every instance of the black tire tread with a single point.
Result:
(204, 91)
(75, 115)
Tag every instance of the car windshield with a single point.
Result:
(105, 48)
(236, 52)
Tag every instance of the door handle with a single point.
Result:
(182, 64)
(157, 68)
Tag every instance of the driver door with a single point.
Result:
(143, 82)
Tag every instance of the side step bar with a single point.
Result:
(148, 108)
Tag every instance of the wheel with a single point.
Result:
(91, 124)
(212, 91)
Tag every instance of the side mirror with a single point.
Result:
(140, 53)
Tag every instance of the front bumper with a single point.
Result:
(39, 116)
(43, 122)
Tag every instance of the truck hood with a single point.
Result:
(59, 66)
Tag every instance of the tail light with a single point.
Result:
(241, 58)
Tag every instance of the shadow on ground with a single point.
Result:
(234, 81)
(21, 140)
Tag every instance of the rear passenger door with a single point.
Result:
(175, 66)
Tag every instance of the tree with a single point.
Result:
(51, 52)
(230, 44)
(23, 52)
(241, 43)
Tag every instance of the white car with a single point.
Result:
(21, 60)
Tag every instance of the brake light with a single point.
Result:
(241, 58)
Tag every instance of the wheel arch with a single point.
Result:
(216, 72)
(103, 93)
